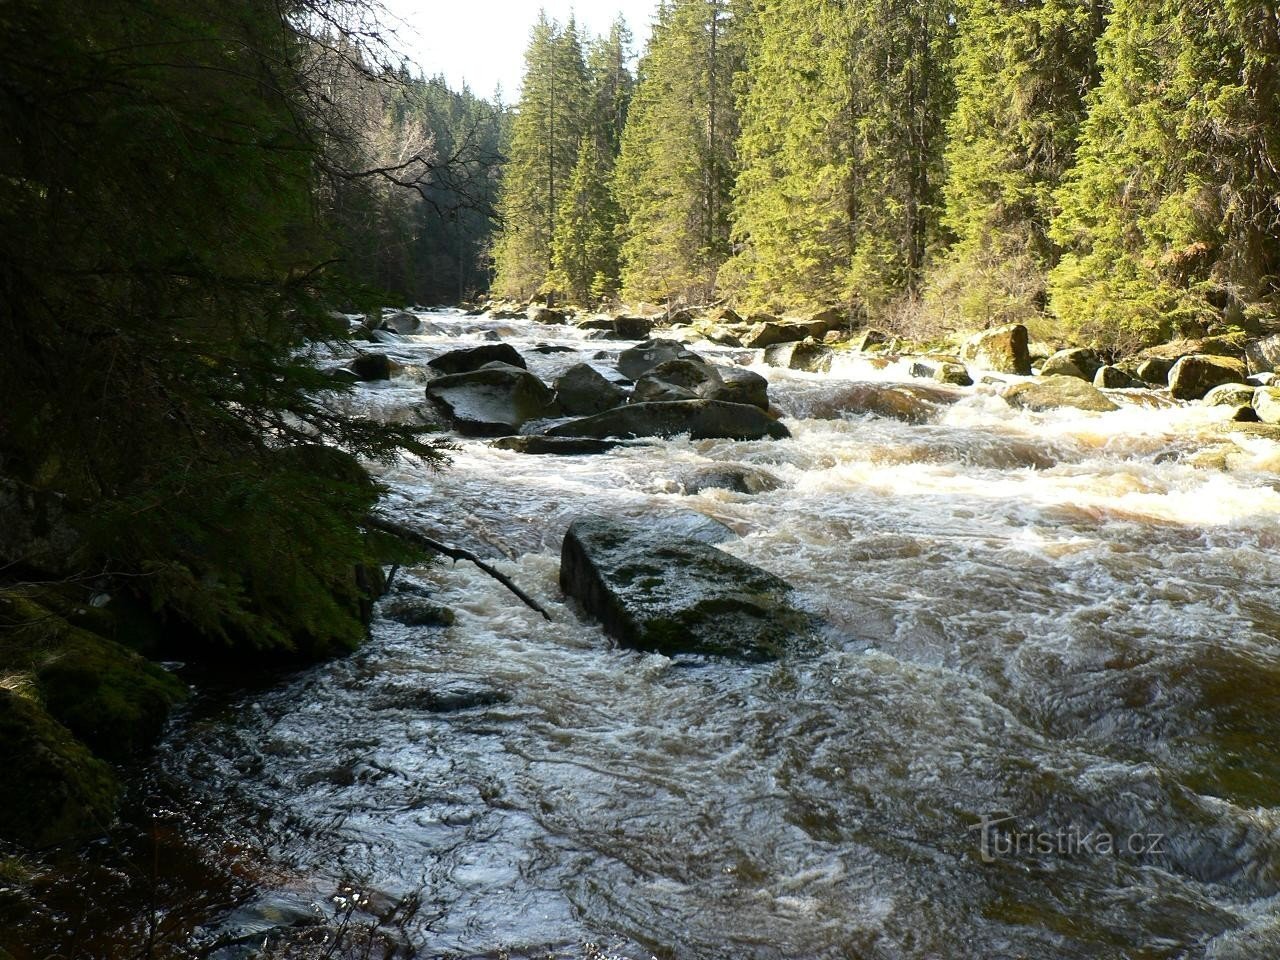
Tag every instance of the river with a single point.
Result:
(1045, 721)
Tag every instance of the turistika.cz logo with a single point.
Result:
(997, 841)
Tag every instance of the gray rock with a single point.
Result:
(473, 358)
(401, 322)
(635, 362)
(1192, 377)
(1051, 393)
(1266, 403)
(736, 478)
(1261, 379)
(621, 327)
(1113, 378)
(556, 446)
(1263, 356)
(655, 591)
(802, 355)
(583, 390)
(1000, 349)
(1079, 362)
(492, 401)
(701, 419)
(738, 385)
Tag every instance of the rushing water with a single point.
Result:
(1070, 620)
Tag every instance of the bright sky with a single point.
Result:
(482, 42)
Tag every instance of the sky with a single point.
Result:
(482, 42)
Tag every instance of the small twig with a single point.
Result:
(457, 553)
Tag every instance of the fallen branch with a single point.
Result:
(412, 536)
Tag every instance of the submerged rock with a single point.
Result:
(701, 419)
(473, 358)
(910, 403)
(658, 591)
(583, 390)
(1000, 349)
(416, 612)
(1052, 393)
(736, 478)
(492, 401)
(1192, 377)
(556, 446)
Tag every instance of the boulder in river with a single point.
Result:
(492, 401)
(701, 419)
(1154, 370)
(547, 315)
(622, 327)
(657, 591)
(583, 390)
(1229, 395)
(1113, 378)
(803, 355)
(1192, 377)
(1000, 349)
(536, 445)
(734, 477)
(1079, 362)
(678, 379)
(1263, 356)
(636, 361)
(1051, 393)
(766, 333)
(739, 385)
(402, 322)
(473, 358)
(1266, 404)
(373, 366)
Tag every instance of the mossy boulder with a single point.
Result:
(1079, 362)
(655, 590)
(1266, 404)
(1001, 349)
(1192, 377)
(109, 697)
(804, 355)
(1052, 393)
(53, 789)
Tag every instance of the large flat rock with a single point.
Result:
(701, 419)
(655, 589)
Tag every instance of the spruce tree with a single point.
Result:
(551, 119)
(1022, 70)
(840, 189)
(585, 248)
(676, 165)
(1169, 214)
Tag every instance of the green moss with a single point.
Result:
(106, 695)
(53, 790)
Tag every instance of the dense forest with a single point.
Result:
(188, 193)
(1107, 173)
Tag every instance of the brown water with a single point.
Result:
(1054, 618)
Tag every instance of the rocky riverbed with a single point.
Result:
(1026, 616)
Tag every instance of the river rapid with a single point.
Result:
(1047, 631)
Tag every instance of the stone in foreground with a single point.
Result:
(655, 590)
(1052, 393)
(701, 419)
